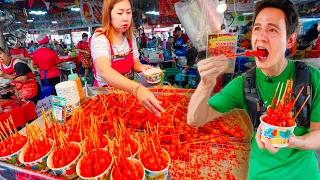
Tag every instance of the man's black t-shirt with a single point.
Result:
(191, 55)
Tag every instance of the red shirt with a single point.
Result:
(18, 51)
(83, 46)
(46, 59)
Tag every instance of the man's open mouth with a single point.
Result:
(263, 53)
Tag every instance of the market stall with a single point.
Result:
(217, 150)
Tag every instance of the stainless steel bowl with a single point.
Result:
(67, 66)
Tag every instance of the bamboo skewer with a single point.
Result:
(301, 108)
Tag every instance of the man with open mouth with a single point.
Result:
(273, 31)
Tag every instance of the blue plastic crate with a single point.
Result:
(45, 91)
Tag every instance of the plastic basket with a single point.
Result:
(45, 92)
(170, 71)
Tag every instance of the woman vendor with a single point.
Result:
(21, 75)
(115, 54)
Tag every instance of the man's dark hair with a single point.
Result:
(286, 6)
(143, 34)
(84, 35)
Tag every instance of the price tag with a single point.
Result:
(59, 106)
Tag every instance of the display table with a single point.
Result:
(8, 171)
(20, 114)
(69, 58)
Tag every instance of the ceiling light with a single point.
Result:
(54, 22)
(247, 13)
(29, 20)
(75, 9)
(152, 12)
(18, 22)
(222, 7)
(38, 12)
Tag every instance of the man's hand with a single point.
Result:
(267, 144)
(211, 68)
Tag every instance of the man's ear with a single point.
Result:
(292, 39)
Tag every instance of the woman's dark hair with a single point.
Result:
(286, 6)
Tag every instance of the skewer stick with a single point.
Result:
(279, 94)
(294, 102)
(284, 93)
(301, 108)
(11, 120)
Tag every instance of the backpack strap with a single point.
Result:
(253, 99)
(302, 78)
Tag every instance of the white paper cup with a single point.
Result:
(277, 135)
(159, 175)
(69, 170)
(102, 176)
(39, 164)
(14, 157)
(136, 161)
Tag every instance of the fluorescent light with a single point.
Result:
(247, 13)
(54, 22)
(75, 9)
(152, 12)
(38, 12)
(29, 20)
(18, 22)
(222, 7)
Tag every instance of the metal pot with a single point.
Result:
(67, 66)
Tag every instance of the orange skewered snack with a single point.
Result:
(63, 159)
(278, 124)
(38, 149)
(279, 112)
(127, 169)
(152, 156)
(11, 145)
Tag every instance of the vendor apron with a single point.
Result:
(182, 51)
(122, 63)
(28, 89)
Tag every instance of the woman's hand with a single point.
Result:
(145, 67)
(149, 101)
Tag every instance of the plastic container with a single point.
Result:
(75, 77)
(278, 136)
(69, 170)
(39, 164)
(163, 174)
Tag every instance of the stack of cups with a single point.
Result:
(69, 91)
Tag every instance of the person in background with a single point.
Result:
(169, 44)
(115, 54)
(19, 52)
(143, 41)
(21, 75)
(191, 55)
(47, 61)
(33, 47)
(180, 40)
(64, 46)
(275, 23)
(59, 49)
(152, 43)
(84, 54)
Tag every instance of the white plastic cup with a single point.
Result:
(278, 136)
